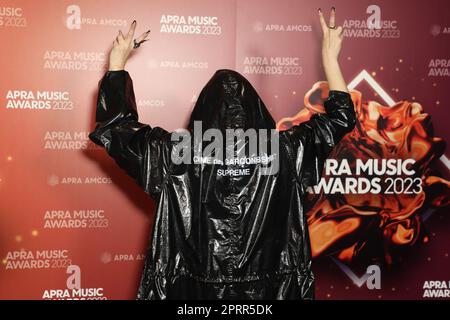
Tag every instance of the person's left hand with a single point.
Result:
(332, 38)
(122, 47)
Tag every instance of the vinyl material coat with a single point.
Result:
(219, 236)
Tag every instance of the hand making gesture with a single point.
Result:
(332, 35)
(122, 47)
(331, 46)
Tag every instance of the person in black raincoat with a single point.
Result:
(219, 234)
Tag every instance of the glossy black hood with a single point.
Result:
(229, 100)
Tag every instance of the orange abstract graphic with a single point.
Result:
(347, 225)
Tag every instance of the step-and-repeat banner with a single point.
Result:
(74, 226)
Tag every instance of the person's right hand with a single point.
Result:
(122, 47)
(332, 36)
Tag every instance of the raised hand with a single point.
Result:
(331, 46)
(332, 36)
(122, 47)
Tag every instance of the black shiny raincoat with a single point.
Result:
(219, 236)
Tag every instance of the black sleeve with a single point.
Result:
(312, 141)
(136, 147)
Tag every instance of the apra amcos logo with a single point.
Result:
(74, 19)
(436, 289)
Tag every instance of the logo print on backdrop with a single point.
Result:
(436, 30)
(74, 19)
(12, 17)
